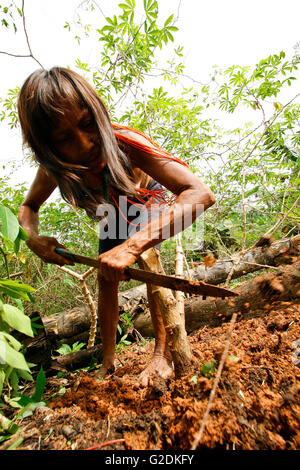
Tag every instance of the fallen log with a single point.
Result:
(78, 359)
(277, 253)
(254, 296)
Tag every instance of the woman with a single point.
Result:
(93, 161)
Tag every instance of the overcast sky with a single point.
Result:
(214, 32)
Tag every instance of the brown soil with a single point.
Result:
(256, 406)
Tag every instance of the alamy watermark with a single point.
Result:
(124, 221)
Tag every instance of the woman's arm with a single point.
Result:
(193, 197)
(40, 190)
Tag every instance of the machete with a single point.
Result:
(170, 282)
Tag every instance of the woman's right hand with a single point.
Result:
(44, 247)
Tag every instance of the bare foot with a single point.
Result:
(105, 370)
(160, 365)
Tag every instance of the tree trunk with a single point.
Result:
(174, 322)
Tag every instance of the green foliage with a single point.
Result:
(27, 405)
(124, 327)
(208, 369)
(67, 349)
(250, 87)
(128, 49)
(9, 107)
(123, 342)
(7, 15)
(13, 365)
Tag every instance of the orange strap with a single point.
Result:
(152, 148)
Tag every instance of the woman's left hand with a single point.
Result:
(115, 261)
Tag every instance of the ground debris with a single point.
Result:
(256, 406)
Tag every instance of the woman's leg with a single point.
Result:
(108, 316)
(161, 361)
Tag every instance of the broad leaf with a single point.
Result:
(13, 342)
(14, 358)
(15, 289)
(16, 319)
(9, 223)
(39, 385)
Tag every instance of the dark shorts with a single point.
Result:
(127, 220)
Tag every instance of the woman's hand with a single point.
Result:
(44, 247)
(115, 261)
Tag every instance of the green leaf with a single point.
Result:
(19, 304)
(64, 349)
(13, 341)
(168, 21)
(23, 235)
(15, 444)
(39, 385)
(24, 374)
(14, 380)
(234, 358)
(29, 408)
(15, 289)
(208, 368)
(9, 223)
(7, 425)
(16, 319)
(124, 6)
(13, 358)
(17, 245)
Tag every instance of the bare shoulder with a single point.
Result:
(137, 136)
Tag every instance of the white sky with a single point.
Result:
(214, 32)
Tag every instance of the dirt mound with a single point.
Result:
(257, 404)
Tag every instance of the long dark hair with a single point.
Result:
(42, 100)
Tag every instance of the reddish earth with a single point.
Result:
(256, 406)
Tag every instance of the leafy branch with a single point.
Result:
(30, 55)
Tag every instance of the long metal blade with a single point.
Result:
(163, 280)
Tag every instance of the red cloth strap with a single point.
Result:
(152, 148)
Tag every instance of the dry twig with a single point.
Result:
(81, 278)
(199, 435)
(30, 55)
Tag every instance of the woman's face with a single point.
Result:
(76, 138)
